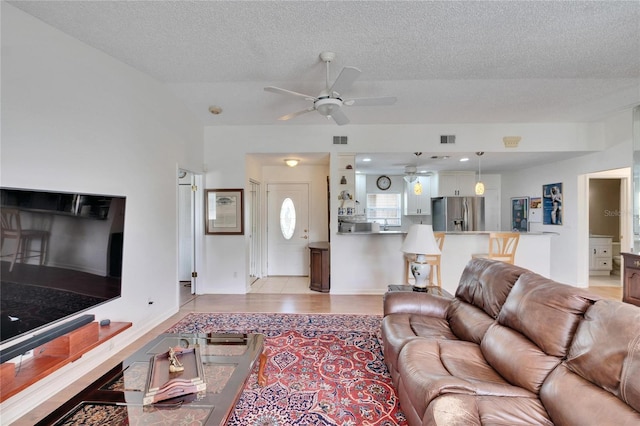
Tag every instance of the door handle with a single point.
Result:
(305, 237)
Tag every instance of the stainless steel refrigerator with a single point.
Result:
(457, 214)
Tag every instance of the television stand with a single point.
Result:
(54, 355)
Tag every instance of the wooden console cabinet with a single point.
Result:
(319, 274)
(54, 355)
(631, 282)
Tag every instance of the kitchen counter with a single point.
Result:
(368, 263)
(371, 233)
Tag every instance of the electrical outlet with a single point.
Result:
(150, 301)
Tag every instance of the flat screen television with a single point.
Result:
(61, 255)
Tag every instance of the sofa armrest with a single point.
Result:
(407, 302)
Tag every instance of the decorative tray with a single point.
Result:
(174, 373)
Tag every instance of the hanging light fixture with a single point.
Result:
(417, 188)
(479, 184)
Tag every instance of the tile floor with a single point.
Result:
(282, 285)
(605, 281)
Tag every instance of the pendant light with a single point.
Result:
(417, 188)
(479, 184)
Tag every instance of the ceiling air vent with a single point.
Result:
(339, 140)
(448, 139)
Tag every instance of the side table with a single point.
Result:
(432, 289)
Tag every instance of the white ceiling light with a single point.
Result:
(291, 162)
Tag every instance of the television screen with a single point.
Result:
(61, 254)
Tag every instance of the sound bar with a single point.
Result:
(47, 336)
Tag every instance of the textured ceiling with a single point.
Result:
(446, 62)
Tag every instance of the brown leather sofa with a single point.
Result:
(513, 348)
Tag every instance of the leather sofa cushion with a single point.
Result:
(573, 400)
(468, 322)
(468, 410)
(398, 329)
(545, 311)
(606, 349)
(486, 284)
(430, 368)
(516, 358)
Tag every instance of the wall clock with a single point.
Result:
(383, 182)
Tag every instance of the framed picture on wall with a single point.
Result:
(552, 204)
(223, 215)
(520, 214)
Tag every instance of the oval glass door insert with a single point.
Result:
(287, 218)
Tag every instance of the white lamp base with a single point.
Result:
(420, 273)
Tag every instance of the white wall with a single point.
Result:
(76, 120)
(569, 248)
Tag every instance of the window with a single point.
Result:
(384, 206)
(287, 218)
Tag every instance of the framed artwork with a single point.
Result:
(223, 215)
(552, 204)
(535, 210)
(520, 214)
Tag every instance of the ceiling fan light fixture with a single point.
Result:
(326, 106)
(291, 162)
(410, 178)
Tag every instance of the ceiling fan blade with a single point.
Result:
(295, 114)
(280, 91)
(344, 81)
(389, 100)
(339, 117)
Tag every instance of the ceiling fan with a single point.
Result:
(330, 100)
(411, 172)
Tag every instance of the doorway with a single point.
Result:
(609, 202)
(254, 231)
(186, 236)
(287, 229)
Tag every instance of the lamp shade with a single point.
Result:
(420, 240)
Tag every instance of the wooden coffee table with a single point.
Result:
(227, 359)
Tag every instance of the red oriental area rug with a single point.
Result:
(322, 369)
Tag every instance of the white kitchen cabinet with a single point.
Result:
(600, 260)
(446, 184)
(418, 204)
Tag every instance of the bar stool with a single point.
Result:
(11, 229)
(502, 246)
(433, 260)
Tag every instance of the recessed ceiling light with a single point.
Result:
(215, 110)
(366, 160)
(463, 159)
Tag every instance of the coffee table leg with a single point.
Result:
(262, 379)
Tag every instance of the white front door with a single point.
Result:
(288, 229)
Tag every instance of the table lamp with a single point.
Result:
(421, 242)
